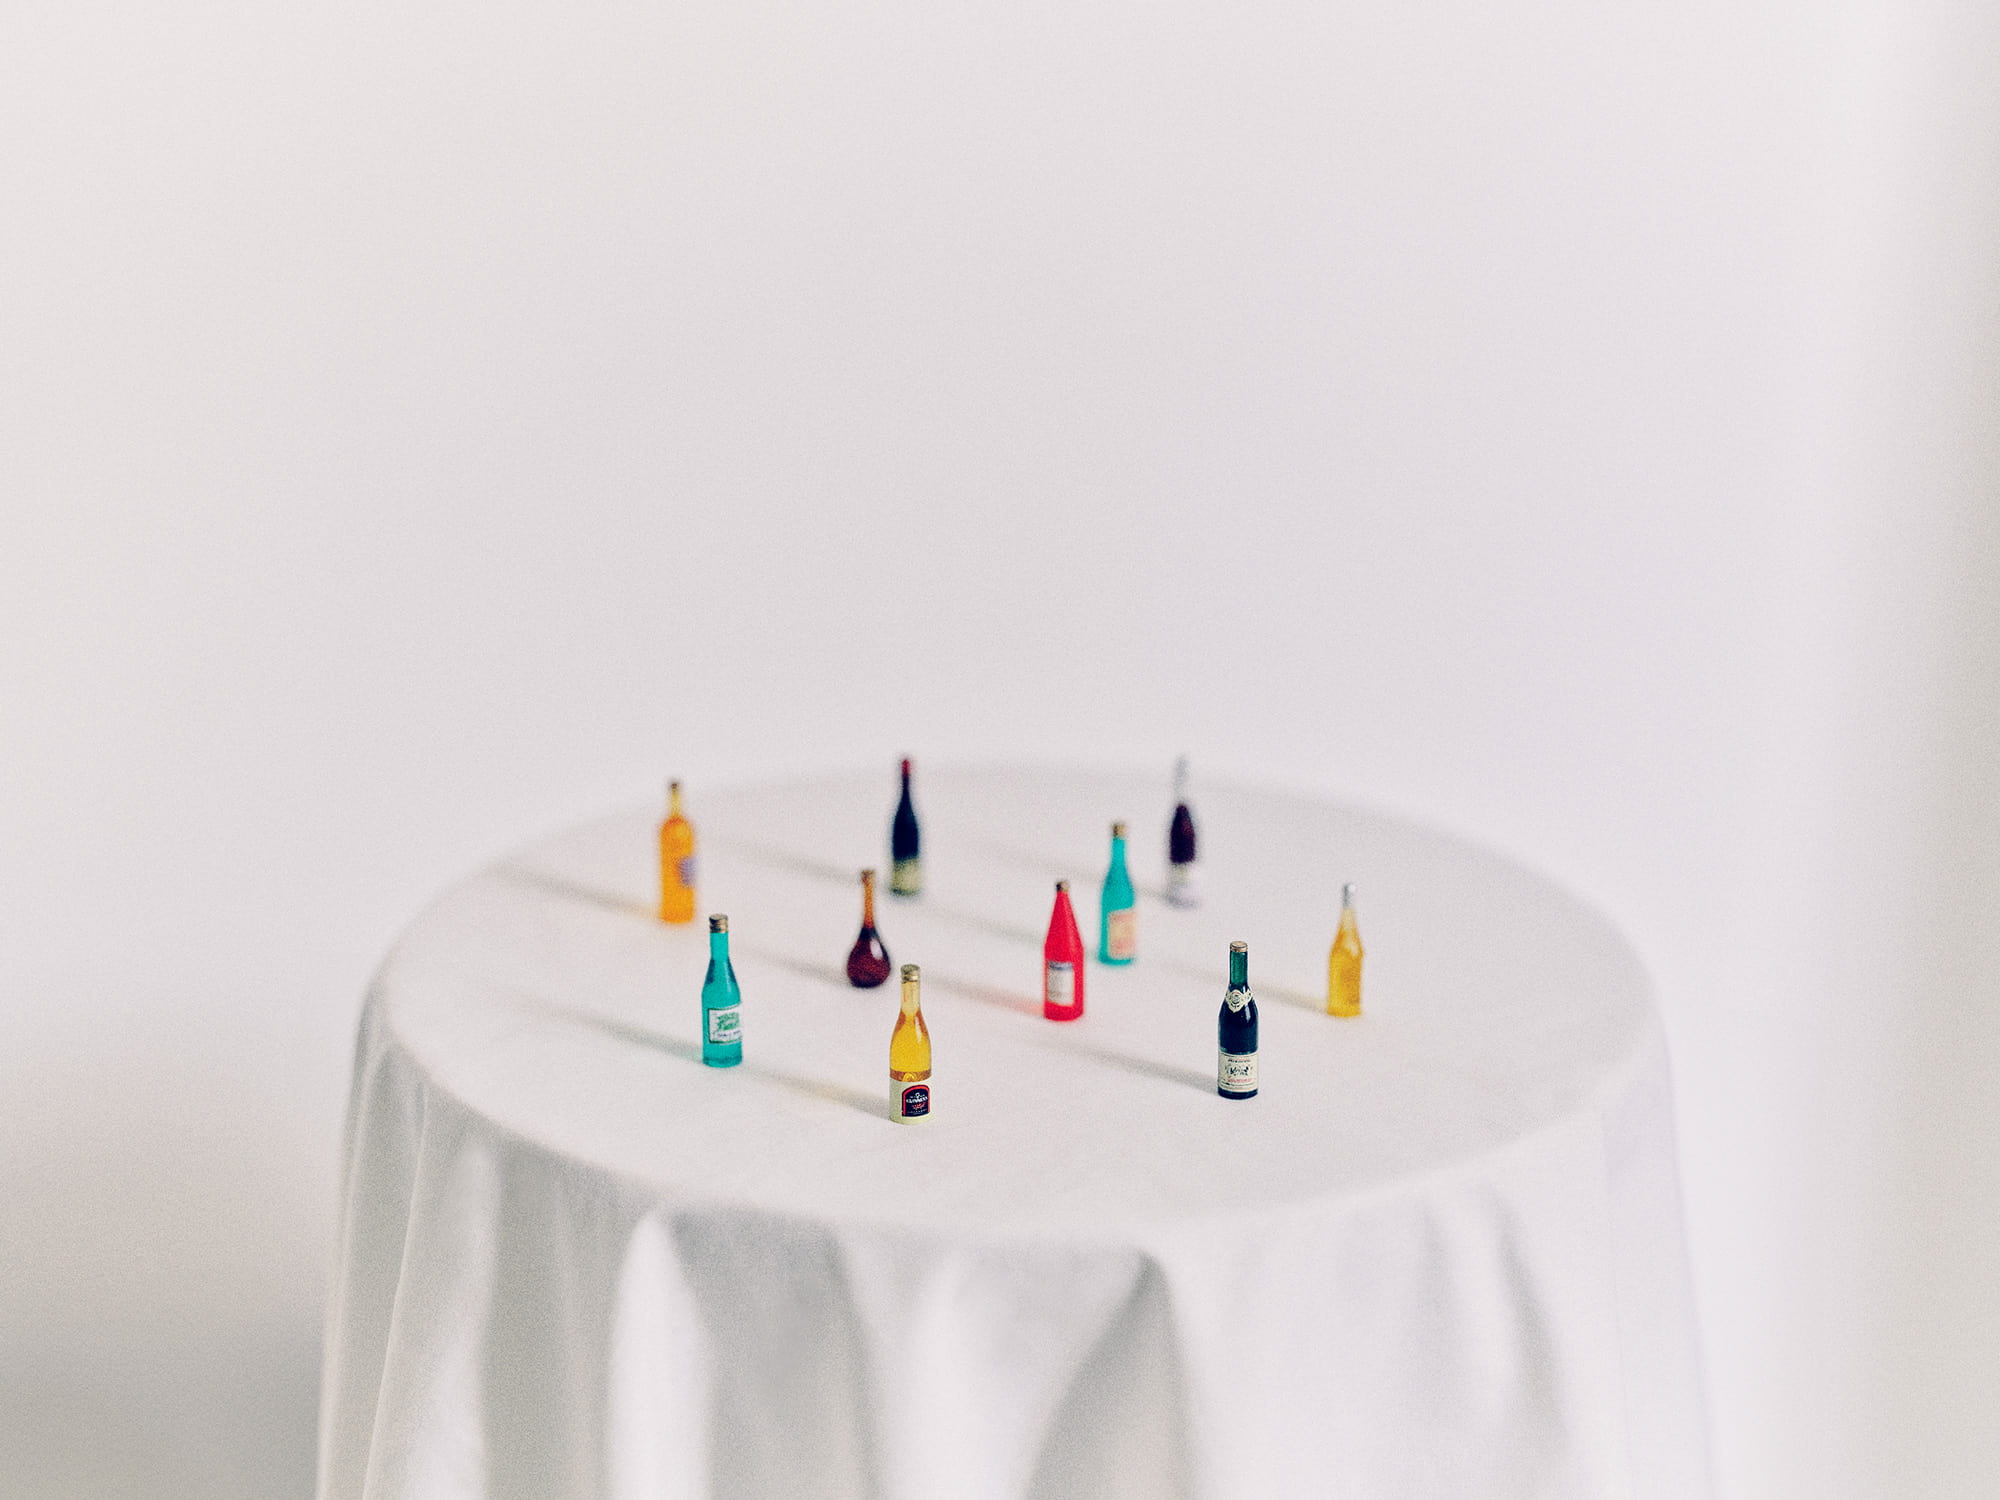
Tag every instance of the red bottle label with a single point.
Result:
(915, 1102)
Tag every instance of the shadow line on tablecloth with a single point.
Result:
(1145, 1067)
(787, 859)
(1049, 869)
(561, 885)
(805, 968)
(985, 994)
(640, 1036)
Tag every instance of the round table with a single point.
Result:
(1439, 1255)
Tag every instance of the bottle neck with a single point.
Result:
(1117, 852)
(912, 996)
(718, 947)
(868, 899)
(1239, 970)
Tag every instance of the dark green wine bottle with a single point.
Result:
(906, 865)
(1236, 1031)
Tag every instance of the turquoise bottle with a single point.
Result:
(1118, 922)
(721, 1002)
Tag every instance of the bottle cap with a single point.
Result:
(911, 973)
(906, 765)
(718, 924)
(1347, 894)
(866, 876)
(1062, 885)
(673, 786)
(1239, 947)
(1118, 830)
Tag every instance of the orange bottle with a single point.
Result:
(676, 861)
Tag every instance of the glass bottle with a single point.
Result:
(721, 1002)
(1118, 913)
(906, 868)
(868, 960)
(910, 1052)
(676, 861)
(1236, 1031)
(1343, 963)
(1062, 961)
(1181, 887)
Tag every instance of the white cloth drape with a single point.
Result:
(1440, 1255)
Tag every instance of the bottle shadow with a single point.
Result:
(1218, 980)
(786, 859)
(552, 884)
(805, 968)
(995, 852)
(1144, 1067)
(673, 1046)
(985, 994)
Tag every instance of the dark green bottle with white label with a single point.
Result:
(721, 1002)
(1236, 1031)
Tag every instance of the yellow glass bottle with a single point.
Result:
(1343, 964)
(676, 861)
(910, 1052)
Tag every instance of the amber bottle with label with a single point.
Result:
(910, 1052)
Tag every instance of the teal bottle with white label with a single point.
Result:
(721, 1002)
(1118, 908)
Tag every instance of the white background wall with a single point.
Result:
(422, 426)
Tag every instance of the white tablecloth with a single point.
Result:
(1439, 1257)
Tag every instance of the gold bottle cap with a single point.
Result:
(673, 786)
(1062, 885)
(1118, 830)
(1239, 947)
(718, 924)
(911, 973)
(867, 875)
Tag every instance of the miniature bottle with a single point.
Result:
(910, 1053)
(1062, 961)
(1236, 1031)
(1343, 963)
(868, 960)
(1181, 887)
(906, 868)
(676, 861)
(1118, 913)
(721, 1002)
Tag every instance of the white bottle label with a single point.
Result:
(1121, 933)
(685, 870)
(1236, 1072)
(913, 1100)
(1181, 889)
(1061, 985)
(906, 876)
(726, 1025)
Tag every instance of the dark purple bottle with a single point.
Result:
(867, 961)
(1181, 887)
